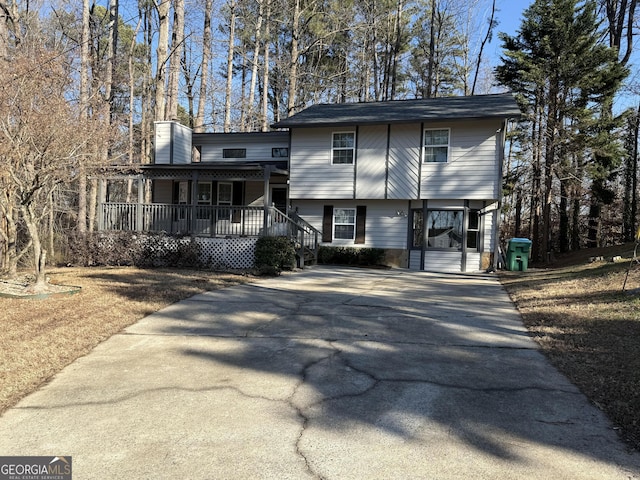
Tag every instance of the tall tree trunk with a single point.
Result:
(204, 76)
(177, 47)
(563, 233)
(397, 45)
(295, 57)
(254, 67)
(132, 89)
(230, 53)
(146, 117)
(84, 114)
(163, 8)
(39, 254)
(432, 49)
(107, 106)
(265, 71)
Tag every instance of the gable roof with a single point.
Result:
(502, 105)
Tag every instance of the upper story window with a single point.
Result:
(436, 145)
(280, 152)
(234, 153)
(343, 147)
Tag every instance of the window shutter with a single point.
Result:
(361, 222)
(327, 224)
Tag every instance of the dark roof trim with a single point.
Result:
(240, 135)
(498, 106)
(279, 168)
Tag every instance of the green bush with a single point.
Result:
(274, 254)
(350, 256)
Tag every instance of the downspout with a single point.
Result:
(502, 135)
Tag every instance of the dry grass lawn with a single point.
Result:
(40, 337)
(589, 328)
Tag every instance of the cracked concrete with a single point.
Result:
(329, 373)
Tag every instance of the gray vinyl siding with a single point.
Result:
(162, 191)
(471, 172)
(181, 144)
(371, 167)
(384, 227)
(258, 147)
(472, 169)
(172, 143)
(312, 175)
(442, 261)
(162, 143)
(404, 161)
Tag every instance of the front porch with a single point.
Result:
(225, 224)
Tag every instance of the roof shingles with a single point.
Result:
(403, 111)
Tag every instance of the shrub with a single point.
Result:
(131, 248)
(350, 256)
(274, 254)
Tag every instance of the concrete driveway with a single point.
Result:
(329, 373)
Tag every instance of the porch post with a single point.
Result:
(101, 201)
(194, 202)
(465, 227)
(266, 199)
(139, 207)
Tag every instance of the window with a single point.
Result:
(417, 229)
(473, 230)
(343, 148)
(436, 146)
(225, 198)
(444, 229)
(204, 198)
(280, 152)
(234, 153)
(344, 223)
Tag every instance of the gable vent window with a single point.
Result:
(280, 152)
(343, 148)
(234, 153)
(436, 145)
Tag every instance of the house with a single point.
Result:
(420, 179)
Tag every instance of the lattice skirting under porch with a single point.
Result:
(235, 253)
(160, 250)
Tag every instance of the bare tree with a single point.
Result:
(42, 139)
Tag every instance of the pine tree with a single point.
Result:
(565, 80)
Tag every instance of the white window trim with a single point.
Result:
(353, 158)
(424, 146)
(335, 224)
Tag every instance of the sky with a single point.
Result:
(509, 19)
